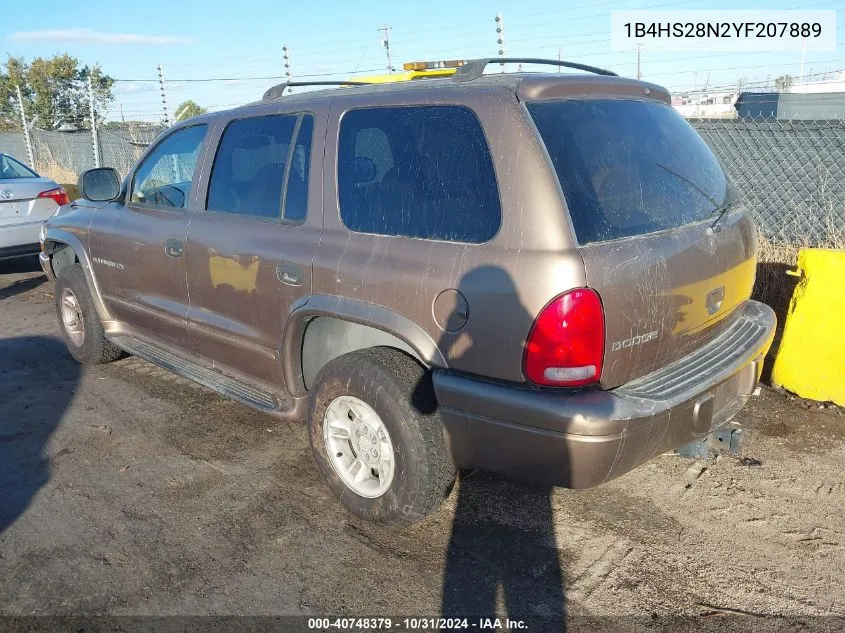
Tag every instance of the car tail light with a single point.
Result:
(58, 194)
(565, 347)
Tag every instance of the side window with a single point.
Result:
(164, 178)
(296, 192)
(423, 172)
(249, 170)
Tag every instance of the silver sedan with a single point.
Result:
(26, 200)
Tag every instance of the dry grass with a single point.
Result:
(54, 171)
(66, 177)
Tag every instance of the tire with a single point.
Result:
(84, 338)
(399, 391)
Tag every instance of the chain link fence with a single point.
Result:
(62, 156)
(791, 174)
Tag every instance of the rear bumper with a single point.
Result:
(20, 233)
(583, 439)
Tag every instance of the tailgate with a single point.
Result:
(663, 237)
(667, 294)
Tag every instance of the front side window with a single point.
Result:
(422, 172)
(164, 178)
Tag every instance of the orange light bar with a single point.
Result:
(452, 63)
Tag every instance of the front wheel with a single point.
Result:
(80, 326)
(377, 439)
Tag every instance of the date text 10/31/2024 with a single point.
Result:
(416, 624)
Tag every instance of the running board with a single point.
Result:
(214, 380)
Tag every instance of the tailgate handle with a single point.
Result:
(714, 300)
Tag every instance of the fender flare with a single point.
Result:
(359, 312)
(59, 236)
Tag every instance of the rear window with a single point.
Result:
(629, 167)
(422, 171)
(11, 169)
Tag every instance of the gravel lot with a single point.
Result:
(126, 490)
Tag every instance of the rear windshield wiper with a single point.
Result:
(720, 212)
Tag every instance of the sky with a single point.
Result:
(225, 54)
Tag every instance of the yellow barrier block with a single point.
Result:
(811, 358)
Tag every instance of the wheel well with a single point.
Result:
(327, 338)
(62, 256)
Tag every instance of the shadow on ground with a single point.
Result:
(20, 286)
(502, 556)
(37, 381)
(774, 288)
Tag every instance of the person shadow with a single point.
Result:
(502, 559)
(37, 381)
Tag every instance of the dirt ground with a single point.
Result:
(125, 490)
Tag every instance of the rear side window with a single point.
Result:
(629, 167)
(421, 172)
(252, 162)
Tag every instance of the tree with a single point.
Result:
(54, 90)
(187, 109)
(783, 83)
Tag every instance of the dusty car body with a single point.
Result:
(442, 274)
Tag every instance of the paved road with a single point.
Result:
(126, 490)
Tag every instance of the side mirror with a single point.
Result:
(99, 185)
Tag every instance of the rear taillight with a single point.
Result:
(58, 194)
(566, 345)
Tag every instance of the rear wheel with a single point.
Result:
(377, 439)
(80, 326)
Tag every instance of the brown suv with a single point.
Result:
(545, 275)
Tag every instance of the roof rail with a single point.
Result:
(277, 90)
(474, 68)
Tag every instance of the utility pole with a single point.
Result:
(386, 43)
(500, 37)
(163, 94)
(25, 129)
(122, 118)
(95, 141)
(558, 57)
(639, 48)
(286, 60)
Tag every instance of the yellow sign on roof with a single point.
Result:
(416, 70)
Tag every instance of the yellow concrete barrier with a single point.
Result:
(811, 358)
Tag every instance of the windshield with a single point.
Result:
(10, 168)
(629, 167)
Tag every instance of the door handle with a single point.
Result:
(289, 273)
(174, 248)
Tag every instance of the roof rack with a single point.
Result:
(474, 68)
(277, 90)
